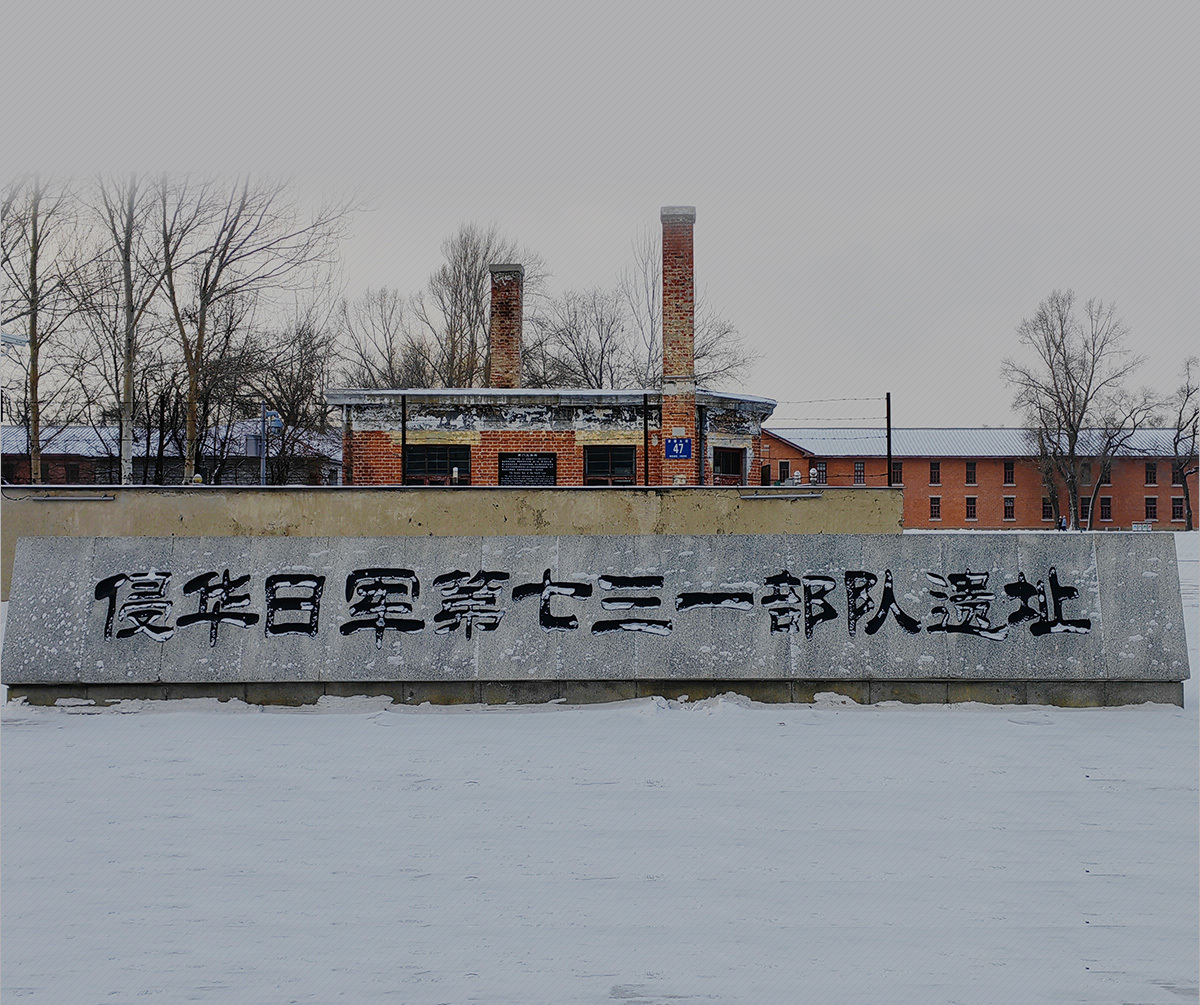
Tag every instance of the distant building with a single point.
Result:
(982, 478)
(505, 434)
(91, 455)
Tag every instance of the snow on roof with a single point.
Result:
(87, 441)
(105, 441)
(568, 395)
(982, 441)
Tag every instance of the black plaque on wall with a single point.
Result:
(528, 469)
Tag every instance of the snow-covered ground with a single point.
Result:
(642, 852)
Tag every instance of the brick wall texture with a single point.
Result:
(1131, 497)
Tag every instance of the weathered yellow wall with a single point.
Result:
(251, 511)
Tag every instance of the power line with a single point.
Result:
(824, 401)
(822, 418)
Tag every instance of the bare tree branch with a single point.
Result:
(1073, 396)
(234, 241)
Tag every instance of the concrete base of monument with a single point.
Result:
(1070, 694)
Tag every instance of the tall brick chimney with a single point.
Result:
(679, 349)
(504, 329)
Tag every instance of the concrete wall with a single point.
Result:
(243, 511)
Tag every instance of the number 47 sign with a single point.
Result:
(679, 449)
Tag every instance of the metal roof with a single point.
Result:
(87, 441)
(105, 441)
(980, 441)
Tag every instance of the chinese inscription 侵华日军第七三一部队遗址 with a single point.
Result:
(389, 599)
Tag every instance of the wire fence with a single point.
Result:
(825, 429)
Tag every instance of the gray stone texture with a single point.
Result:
(384, 617)
(1075, 693)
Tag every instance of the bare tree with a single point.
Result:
(1121, 416)
(586, 341)
(1185, 409)
(126, 207)
(221, 242)
(377, 347)
(1076, 383)
(39, 254)
(237, 356)
(641, 290)
(302, 355)
(721, 353)
(454, 308)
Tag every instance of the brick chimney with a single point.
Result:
(504, 328)
(679, 351)
(678, 301)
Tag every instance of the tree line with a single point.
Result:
(175, 307)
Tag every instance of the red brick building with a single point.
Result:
(504, 434)
(983, 479)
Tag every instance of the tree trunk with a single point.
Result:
(130, 320)
(35, 411)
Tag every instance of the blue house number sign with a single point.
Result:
(679, 449)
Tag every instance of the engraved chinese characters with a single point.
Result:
(383, 600)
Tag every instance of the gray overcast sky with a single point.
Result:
(883, 190)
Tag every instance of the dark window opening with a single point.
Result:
(726, 466)
(1151, 473)
(971, 508)
(860, 472)
(822, 474)
(1177, 508)
(935, 472)
(971, 473)
(1010, 507)
(1047, 509)
(1106, 507)
(785, 470)
(935, 507)
(1152, 508)
(609, 465)
(897, 472)
(1010, 473)
(1085, 509)
(435, 465)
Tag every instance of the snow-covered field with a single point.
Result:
(642, 852)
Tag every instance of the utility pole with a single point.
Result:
(889, 438)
